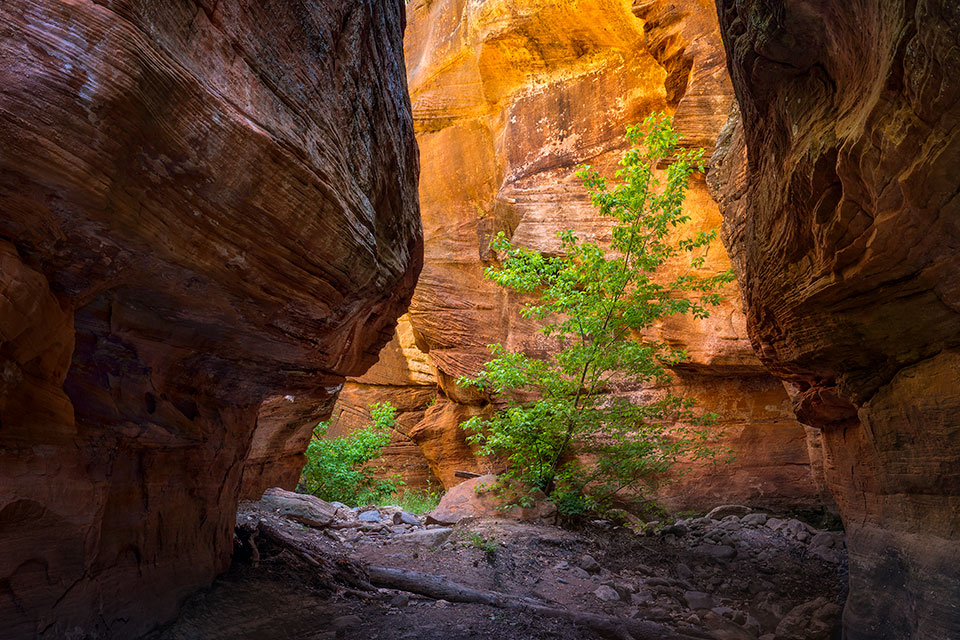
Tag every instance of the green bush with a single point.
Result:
(595, 304)
(340, 469)
(417, 500)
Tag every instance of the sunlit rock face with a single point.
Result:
(405, 378)
(509, 99)
(208, 217)
(838, 185)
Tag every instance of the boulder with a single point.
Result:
(589, 564)
(827, 539)
(830, 556)
(464, 501)
(754, 519)
(426, 537)
(797, 530)
(306, 509)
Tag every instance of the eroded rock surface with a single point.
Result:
(509, 98)
(208, 217)
(838, 184)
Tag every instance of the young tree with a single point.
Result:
(595, 303)
(339, 469)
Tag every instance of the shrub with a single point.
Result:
(417, 500)
(340, 470)
(594, 303)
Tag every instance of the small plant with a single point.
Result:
(418, 500)
(339, 469)
(488, 546)
(565, 429)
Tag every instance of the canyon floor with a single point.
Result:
(734, 577)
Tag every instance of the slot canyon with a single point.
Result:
(225, 221)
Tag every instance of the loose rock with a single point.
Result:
(426, 537)
(589, 564)
(754, 519)
(717, 551)
(607, 593)
(400, 600)
(370, 516)
(402, 517)
(699, 600)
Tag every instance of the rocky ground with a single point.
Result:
(733, 574)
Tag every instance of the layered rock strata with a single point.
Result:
(208, 217)
(839, 190)
(509, 98)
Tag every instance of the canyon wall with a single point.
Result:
(208, 217)
(509, 98)
(839, 189)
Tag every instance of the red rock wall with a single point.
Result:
(838, 185)
(509, 98)
(208, 217)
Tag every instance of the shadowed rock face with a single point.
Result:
(208, 217)
(839, 190)
(509, 98)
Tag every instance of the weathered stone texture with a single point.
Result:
(839, 188)
(208, 217)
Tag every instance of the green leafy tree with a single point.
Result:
(595, 303)
(339, 469)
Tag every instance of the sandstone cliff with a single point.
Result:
(208, 216)
(509, 98)
(838, 184)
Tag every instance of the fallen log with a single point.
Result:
(466, 474)
(328, 568)
(361, 580)
(443, 589)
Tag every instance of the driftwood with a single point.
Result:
(443, 589)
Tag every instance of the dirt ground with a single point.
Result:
(779, 583)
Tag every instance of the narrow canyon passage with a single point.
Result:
(222, 223)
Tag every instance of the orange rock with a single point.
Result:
(465, 501)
